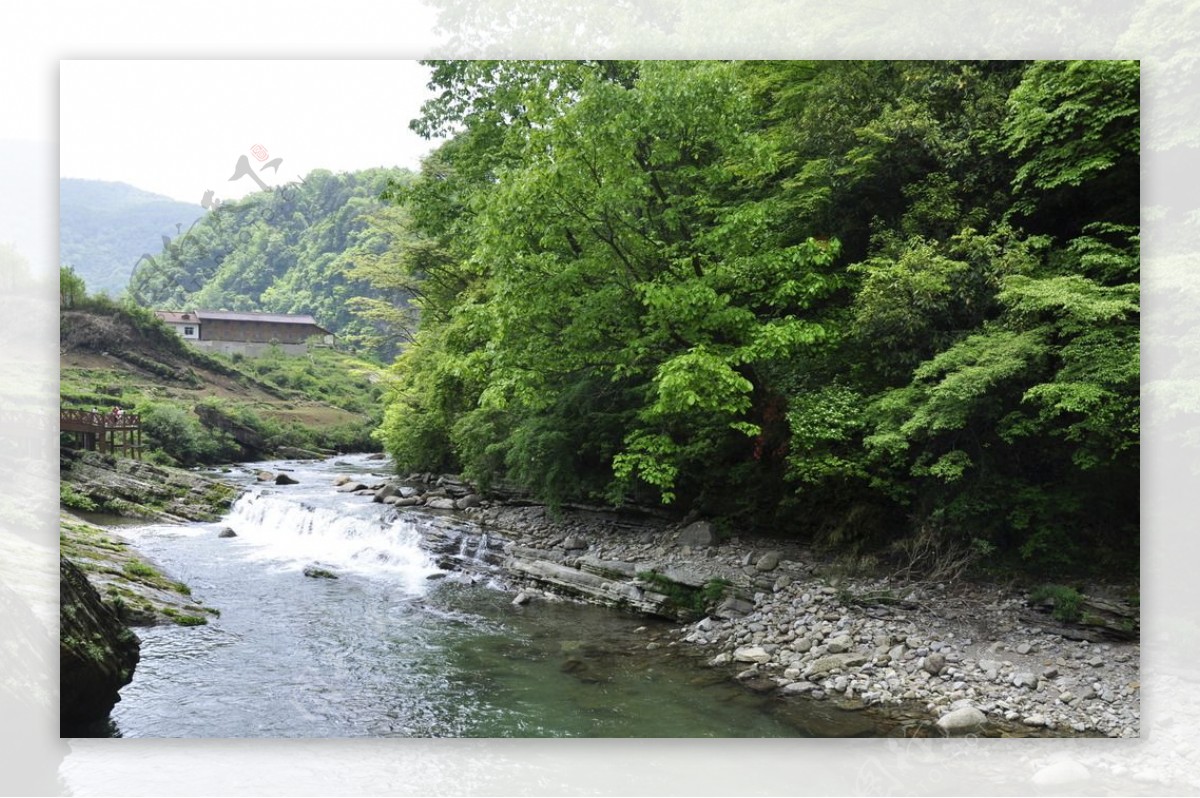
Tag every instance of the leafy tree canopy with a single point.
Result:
(848, 300)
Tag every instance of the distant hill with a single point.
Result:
(293, 249)
(105, 227)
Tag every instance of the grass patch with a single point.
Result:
(183, 619)
(694, 599)
(137, 568)
(1065, 601)
(69, 497)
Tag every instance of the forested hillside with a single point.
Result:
(104, 228)
(888, 306)
(293, 249)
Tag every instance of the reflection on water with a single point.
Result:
(384, 651)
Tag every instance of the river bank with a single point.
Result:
(106, 586)
(959, 658)
(920, 657)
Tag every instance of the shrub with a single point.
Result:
(69, 497)
(173, 430)
(1066, 601)
(698, 600)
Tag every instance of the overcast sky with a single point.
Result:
(179, 128)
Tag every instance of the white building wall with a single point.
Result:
(181, 329)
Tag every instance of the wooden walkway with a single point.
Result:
(103, 432)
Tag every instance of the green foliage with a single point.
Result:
(69, 497)
(1066, 601)
(139, 568)
(332, 377)
(860, 301)
(308, 248)
(71, 287)
(177, 432)
(183, 619)
(825, 426)
(684, 597)
(169, 371)
(1073, 120)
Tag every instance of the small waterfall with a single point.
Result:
(297, 533)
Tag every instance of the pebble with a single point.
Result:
(1025, 679)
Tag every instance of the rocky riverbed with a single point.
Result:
(954, 658)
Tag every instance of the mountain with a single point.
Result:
(292, 249)
(105, 227)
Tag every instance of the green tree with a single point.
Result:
(1074, 128)
(71, 288)
(858, 300)
(293, 249)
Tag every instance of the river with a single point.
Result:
(384, 650)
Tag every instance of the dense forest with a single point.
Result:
(296, 249)
(891, 307)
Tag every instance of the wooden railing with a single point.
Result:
(114, 431)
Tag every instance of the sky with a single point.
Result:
(180, 128)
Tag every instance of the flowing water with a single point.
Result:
(384, 650)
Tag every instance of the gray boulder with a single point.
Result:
(962, 721)
(686, 575)
(751, 654)
(840, 644)
(768, 562)
(700, 533)
(797, 688)
(1025, 679)
(834, 662)
(734, 607)
(284, 479)
(227, 533)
